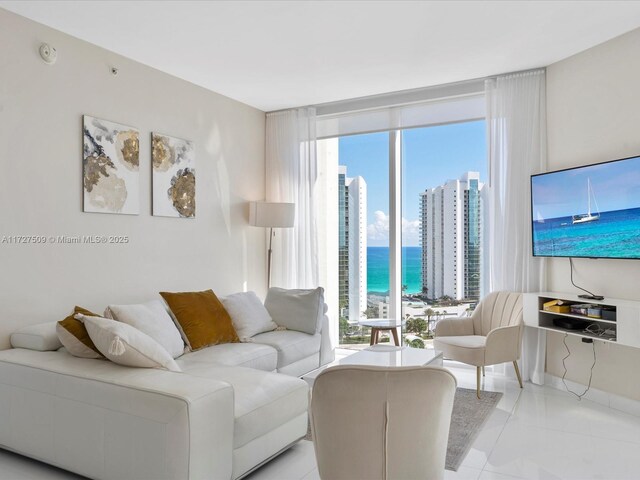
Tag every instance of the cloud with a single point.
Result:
(410, 232)
(378, 231)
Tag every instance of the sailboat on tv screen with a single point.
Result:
(588, 217)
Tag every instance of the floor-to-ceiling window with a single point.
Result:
(407, 217)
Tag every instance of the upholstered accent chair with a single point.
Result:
(381, 423)
(491, 335)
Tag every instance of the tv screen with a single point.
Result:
(591, 211)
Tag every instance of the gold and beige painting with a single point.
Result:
(174, 176)
(111, 167)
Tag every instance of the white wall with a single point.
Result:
(41, 108)
(593, 102)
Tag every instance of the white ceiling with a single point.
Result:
(279, 54)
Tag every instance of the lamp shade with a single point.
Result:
(272, 214)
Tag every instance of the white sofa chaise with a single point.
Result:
(224, 415)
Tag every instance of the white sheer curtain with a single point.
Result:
(516, 124)
(291, 173)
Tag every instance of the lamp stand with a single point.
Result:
(269, 258)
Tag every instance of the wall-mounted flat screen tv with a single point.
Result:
(591, 211)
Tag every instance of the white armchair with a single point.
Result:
(491, 335)
(375, 423)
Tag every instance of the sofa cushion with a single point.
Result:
(291, 345)
(263, 401)
(153, 319)
(465, 348)
(201, 318)
(300, 310)
(42, 337)
(125, 345)
(74, 336)
(252, 355)
(248, 314)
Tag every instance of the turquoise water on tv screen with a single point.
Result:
(615, 235)
(378, 269)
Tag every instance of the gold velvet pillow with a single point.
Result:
(74, 336)
(201, 318)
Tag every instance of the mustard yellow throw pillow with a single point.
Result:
(201, 318)
(74, 336)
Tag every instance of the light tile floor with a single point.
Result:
(535, 433)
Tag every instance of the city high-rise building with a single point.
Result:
(357, 189)
(451, 238)
(352, 245)
(343, 242)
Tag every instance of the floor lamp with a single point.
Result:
(271, 215)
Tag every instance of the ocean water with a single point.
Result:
(378, 269)
(615, 235)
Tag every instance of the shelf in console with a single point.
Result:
(578, 333)
(581, 317)
(546, 322)
(626, 325)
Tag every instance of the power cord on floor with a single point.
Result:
(593, 344)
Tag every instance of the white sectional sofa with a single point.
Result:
(226, 413)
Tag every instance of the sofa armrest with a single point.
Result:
(454, 327)
(42, 337)
(503, 345)
(327, 350)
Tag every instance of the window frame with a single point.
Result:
(332, 113)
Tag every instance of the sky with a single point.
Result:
(431, 156)
(615, 186)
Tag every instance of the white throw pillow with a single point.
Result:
(153, 319)
(125, 345)
(300, 310)
(248, 314)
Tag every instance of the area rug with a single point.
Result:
(467, 419)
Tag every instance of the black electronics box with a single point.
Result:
(570, 323)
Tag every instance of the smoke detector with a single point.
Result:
(48, 53)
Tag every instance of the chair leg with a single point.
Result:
(483, 371)
(515, 365)
(478, 381)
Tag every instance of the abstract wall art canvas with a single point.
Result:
(111, 167)
(174, 177)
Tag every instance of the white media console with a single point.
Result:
(620, 325)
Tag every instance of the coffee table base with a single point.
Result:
(375, 334)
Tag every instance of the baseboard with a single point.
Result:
(611, 400)
(264, 462)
